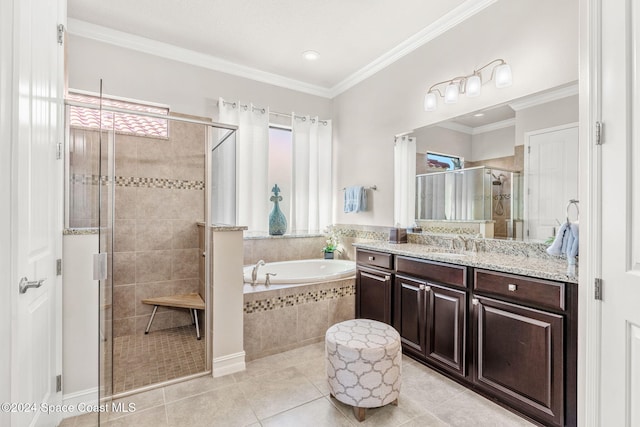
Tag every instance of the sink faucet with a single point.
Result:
(463, 242)
(254, 272)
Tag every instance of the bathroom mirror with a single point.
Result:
(507, 171)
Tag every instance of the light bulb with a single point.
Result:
(503, 76)
(430, 102)
(473, 86)
(451, 93)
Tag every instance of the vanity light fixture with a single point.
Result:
(470, 85)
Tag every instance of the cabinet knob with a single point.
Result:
(512, 287)
(371, 258)
(475, 301)
(427, 288)
(422, 287)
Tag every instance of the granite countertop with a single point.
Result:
(550, 268)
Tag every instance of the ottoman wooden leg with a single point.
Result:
(358, 413)
(395, 402)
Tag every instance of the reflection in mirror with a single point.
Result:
(505, 171)
(487, 199)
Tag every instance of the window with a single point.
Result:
(132, 124)
(280, 164)
(444, 161)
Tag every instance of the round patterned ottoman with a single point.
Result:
(363, 360)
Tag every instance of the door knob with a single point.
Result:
(25, 284)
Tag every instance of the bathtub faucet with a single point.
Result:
(254, 272)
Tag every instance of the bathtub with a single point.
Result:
(289, 273)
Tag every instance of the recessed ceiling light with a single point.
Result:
(478, 115)
(310, 55)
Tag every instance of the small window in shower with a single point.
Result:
(443, 162)
(132, 124)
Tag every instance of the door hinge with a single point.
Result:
(599, 133)
(59, 151)
(58, 383)
(529, 149)
(597, 289)
(60, 34)
(59, 267)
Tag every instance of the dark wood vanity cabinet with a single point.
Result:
(525, 344)
(509, 337)
(374, 279)
(430, 312)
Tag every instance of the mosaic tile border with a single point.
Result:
(130, 181)
(279, 302)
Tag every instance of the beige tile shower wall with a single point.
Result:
(159, 199)
(273, 249)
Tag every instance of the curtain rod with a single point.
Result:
(276, 113)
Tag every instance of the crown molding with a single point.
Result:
(477, 130)
(443, 24)
(456, 127)
(187, 56)
(169, 51)
(543, 98)
(494, 126)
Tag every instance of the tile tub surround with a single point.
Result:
(289, 247)
(283, 319)
(159, 198)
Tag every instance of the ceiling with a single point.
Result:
(354, 38)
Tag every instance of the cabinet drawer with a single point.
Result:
(438, 272)
(527, 290)
(375, 259)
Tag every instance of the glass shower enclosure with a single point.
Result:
(101, 180)
(472, 194)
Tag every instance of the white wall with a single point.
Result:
(80, 319)
(539, 39)
(547, 115)
(494, 144)
(186, 88)
(442, 140)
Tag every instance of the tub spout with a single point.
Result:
(254, 272)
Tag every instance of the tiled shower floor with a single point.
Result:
(141, 360)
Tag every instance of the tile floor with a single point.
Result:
(166, 354)
(289, 389)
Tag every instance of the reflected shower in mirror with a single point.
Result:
(501, 172)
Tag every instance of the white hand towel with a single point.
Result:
(559, 243)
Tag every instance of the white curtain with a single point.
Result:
(311, 174)
(252, 142)
(404, 154)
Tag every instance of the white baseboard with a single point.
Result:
(229, 364)
(80, 398)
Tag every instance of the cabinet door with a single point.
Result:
(446, 327)
(373, 295)
(410, 312)
(519, 357)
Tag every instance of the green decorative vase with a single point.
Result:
(277, 220)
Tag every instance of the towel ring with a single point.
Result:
(573, 202)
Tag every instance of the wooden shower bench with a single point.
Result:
(193, 302)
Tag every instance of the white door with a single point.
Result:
(619, 371)
(36, 210)
(551, 179)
